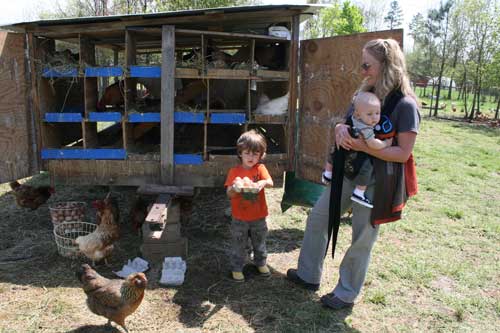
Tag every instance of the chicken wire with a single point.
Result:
(65, 234)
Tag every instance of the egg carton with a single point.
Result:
(133, 266)
(174, 269)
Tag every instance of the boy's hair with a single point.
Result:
(252, 141)
(366, 98)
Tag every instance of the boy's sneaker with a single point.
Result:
(238, 276)
(363, 201)
(264, 271)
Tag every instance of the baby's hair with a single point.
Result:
(366, 98)
(252, 141)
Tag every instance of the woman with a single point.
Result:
(393, 180)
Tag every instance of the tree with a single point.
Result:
(394, 17)
(335, 20)
(373, 13)
(439, 18)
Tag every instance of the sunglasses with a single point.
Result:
(365, 66)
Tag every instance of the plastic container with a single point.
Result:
(174, 269)
(279, 31)
(69, 211)
(65, 234)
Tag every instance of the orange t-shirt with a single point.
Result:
(248, 210)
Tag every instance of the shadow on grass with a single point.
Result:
(266, 304)
(272, 304)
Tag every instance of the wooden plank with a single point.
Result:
(239, 74)
(327, 86)
(293, 89)
(16, 132)
(158, 212)
(87, 58)
(167, 105)
(103, 172)
(233, 35)
(149, 189)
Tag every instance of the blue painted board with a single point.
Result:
(52, 117)
(189, 117)
(103, 71)
(188, 159)
(84, 154)
(150, 117)
(145, 71)
(52, 72)
(227, 118)
(105, 116)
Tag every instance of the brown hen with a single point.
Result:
(30, 196)
(114, 299)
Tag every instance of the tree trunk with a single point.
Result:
(450, 87)
(498, 108)
(441, 70)
(432, 99)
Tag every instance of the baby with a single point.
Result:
(366, 115)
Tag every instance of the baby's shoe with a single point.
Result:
(238, 276)
(362, 200)
(264, 271)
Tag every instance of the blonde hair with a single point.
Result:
(393, 73)
(366, 98)
(252, 141)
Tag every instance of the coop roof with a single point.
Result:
(236, 19)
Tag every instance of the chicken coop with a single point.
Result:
(162, 98)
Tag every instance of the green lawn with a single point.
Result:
(437, 270)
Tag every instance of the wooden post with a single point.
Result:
(130, 87)
(87, 58)
(35, 135)
(293, 88)
(167, 103)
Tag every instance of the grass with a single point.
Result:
(434, 271)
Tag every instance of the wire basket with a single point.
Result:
(65, 234)
(69, 211)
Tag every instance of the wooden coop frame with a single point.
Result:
(36, 135)
(87, 161)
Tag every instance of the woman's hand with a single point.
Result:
(359, 145)
(342, 137)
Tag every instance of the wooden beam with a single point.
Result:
(229, 35)
(293, 89)
(167, 105)
(36, 136)
(150, 189)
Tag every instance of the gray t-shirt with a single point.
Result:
(365, 130)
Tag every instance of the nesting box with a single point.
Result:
(162, 98)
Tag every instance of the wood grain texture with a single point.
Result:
(167, 105)
(329, 77)
(15, 120)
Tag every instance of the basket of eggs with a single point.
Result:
(246, 187)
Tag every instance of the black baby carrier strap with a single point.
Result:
(339, 157)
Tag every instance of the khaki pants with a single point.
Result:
(354, 265)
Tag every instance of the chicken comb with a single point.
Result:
(98, 204)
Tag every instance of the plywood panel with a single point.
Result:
(16, 131)
(329, 77)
